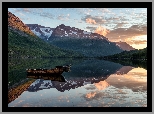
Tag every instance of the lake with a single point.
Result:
(90, 83)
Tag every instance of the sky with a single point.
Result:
(117, 24)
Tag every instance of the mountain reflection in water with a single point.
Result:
(76, 82)
(95, 83)
(47, 82)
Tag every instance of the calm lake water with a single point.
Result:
(90, 83)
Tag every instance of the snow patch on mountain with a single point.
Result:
(36, 33)
(74, 32)
(47, 34)
(41, 31)
(86, 32)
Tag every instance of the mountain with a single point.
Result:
(62, 31)
(136, 54)
(87, 43)
(41, 31)
(67, 37)
(15, 24)
(23, 43)
(124, 46)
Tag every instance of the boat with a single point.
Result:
(57, 70)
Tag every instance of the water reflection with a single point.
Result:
(95, 83)
(52, 77)
(120, 90)
(136, 80)
(62, 86)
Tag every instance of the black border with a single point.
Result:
(6, 5)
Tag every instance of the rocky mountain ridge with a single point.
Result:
(41, 31)
(62, 31)
(16, 24)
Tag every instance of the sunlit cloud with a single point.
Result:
(93, 19)
(130, 35)
(102, 31)
(90, 95)
(135, 78)
(90, 21)
(139, 42)
(101, 85)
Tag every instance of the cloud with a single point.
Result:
(105, 10)
(91, 28)
(93, 19)
(112, 18)
(34, 11)
(133, 83)
(90, 21)
(85, 11)
(102, 31)
(102, 85)
(63, 17)
(21, 14)
(94, 95)
(137, 42)
(120, 24)
(90, 95)
(48, 15)
(90, 87)
(26, 10)
(124, 33)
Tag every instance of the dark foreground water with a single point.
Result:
(90, 83)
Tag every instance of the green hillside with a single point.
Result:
(132, 55)
(27, 46)
(88, 47)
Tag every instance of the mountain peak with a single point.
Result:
(63, 31)
(61, 25)
(15, 23)
(41, 31)
(124, 46)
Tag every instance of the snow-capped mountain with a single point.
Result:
(71, 83)
(41, 31)
(74, 39)
(62, 31)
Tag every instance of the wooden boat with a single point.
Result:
(57, 70)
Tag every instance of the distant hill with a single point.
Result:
(23, 43)
(124, 46)
(133, 55)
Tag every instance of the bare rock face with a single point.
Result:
(41, 31)
(124, 46)
(16, 24)
(62, 31)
